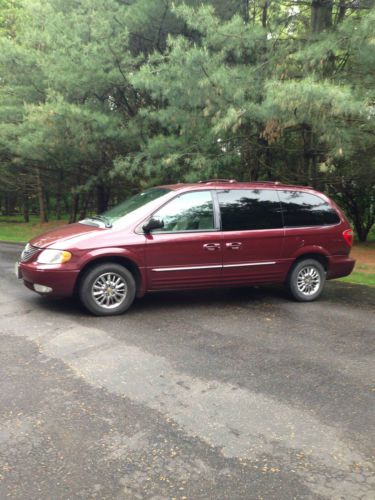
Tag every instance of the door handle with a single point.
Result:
(211, 247)
(234, 245)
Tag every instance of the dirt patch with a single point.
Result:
(364, 254)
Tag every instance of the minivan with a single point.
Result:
(215, 233)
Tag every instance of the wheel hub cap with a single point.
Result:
(308, 280)
(109, 290)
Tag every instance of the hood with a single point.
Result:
(62, 234)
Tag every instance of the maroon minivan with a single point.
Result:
(189, 236)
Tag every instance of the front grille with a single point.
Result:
(28, 252)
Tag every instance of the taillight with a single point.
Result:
(348, 236)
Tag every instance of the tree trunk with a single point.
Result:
(59, 197)
(245, 10)
(309, 155)
(358, 199)
(321, 15)
(362, 222)
(58, 205)
(26, 212)
(6, 205)
(252, 164)
(102, 198)
(10, 203)
(41, 197)
(74, 209)
(84, 206)
(342, 11)
(265, 13)
(47, 199)
(67, 205)
(361, 229)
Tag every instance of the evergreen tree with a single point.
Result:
(100, 97)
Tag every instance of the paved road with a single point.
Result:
(216, 395)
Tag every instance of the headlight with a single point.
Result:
(54, 257)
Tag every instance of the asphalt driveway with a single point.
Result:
(211, 395)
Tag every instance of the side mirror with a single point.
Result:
(153, 223)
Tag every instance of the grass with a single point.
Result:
(13, 229)
(364, 271)
(359, 278)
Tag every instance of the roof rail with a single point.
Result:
(206, 181)
(275, 183)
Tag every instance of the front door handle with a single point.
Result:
(211, 247)
(234, 245)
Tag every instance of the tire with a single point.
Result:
(107, 289)
(306, 280)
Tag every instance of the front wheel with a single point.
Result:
(306, 280)
(107, 289)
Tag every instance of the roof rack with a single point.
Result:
(275, 183)
(233, 181)
(229, 181)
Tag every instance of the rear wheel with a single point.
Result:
(107, 289)
(306, 280)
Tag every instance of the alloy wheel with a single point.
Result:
(109, 290)
(308, 280)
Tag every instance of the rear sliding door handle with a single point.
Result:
(233, 245)
(211, 247)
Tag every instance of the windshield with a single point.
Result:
(133, 203)
(129, 206)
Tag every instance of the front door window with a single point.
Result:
(188, 212)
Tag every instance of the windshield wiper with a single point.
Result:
(102, 218)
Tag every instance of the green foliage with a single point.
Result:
(99, 97)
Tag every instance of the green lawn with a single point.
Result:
(15, 230)
(359, 278)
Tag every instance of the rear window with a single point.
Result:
(305, 209)
(244, 209)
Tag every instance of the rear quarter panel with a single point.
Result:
(327, 240)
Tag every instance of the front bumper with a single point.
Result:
(60, 280)
(339, 266)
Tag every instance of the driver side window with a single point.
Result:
(188, 212)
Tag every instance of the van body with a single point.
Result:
(218, 233)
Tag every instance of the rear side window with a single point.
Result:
(305, 209)
(244, 209)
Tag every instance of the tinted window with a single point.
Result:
(304, 209)
(188, 212)
(249, 209)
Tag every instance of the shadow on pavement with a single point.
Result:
(335, 293)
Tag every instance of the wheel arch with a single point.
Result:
(320, 257)
(124, 261)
